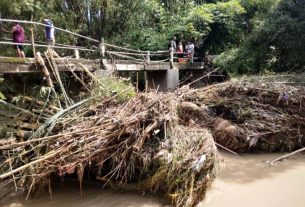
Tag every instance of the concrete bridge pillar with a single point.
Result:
(162, 80)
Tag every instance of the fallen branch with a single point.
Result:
(202, 77)
(286, 156)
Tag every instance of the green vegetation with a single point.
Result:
(112, 86)
(1, 94)
(252, 36)
(275, 42)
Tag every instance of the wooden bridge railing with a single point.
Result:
(114, 52)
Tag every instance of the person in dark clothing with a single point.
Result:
(18, 37)
(49, 32)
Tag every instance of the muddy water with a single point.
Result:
(243, 181)
(247, 181)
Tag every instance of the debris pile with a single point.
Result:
(252, 117)
(137, 145)
(157, 143)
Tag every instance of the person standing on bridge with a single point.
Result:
(189, 48)
(18, 39)
(49, 32)
(173, 44)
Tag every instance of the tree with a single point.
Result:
(275, 44)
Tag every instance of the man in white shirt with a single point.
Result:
(189, 48)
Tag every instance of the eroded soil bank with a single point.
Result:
(243, 181)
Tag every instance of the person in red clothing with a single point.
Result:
(18, 37)
(180, 52)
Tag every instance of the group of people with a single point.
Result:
(187, 50)
(19, 38)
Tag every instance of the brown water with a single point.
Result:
(244, 181)
(247, 181)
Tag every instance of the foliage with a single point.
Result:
(275, 44)
(254, 35)
(114, 87)
(220, 24)
(136, 23)
(1, 94)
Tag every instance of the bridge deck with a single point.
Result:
(160, 66)
(28, 65)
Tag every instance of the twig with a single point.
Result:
(226, 149)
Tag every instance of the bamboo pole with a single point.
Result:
(41, 42)
(44, 69)
(137, 51)
(32, 37)
(57, 28)
(46, 46)
(12, 172)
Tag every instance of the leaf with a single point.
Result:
(2, 97)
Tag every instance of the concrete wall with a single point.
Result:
(103, 73)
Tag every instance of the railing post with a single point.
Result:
(192, 57)
(146, 81)
(102, 48)
(32, 37)
(148, 57)
(76, 54)
(171, 57)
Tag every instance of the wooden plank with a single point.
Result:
(18, 68)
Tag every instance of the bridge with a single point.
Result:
(161, 68)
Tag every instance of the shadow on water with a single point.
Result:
(242, 179)
(68, 195)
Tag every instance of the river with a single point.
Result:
(242, 181)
